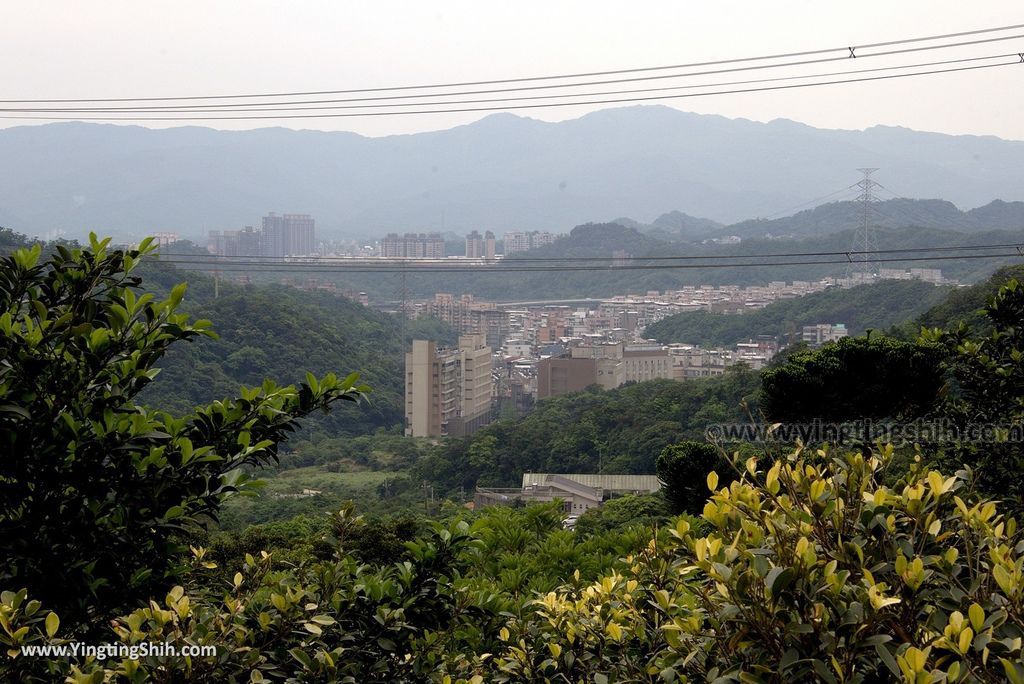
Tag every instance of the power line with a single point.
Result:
(510, 107)
(340, 268)
(816, 201)
(499, 265)
(851, 50)
(292, 105)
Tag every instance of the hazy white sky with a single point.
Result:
(127, 48)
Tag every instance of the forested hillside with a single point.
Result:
(878, 306)
(280, 332)
(964, 304)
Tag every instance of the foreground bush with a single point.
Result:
(336, 621)
(94, 488)
(812, 571)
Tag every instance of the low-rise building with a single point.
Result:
(822, 333)
(578, 492)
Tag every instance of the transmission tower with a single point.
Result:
(865, 240)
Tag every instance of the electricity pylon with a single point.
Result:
(865, 240)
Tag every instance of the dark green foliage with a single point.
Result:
(527, 550)
(856, 378)
(282, 496)
(374, 452)
(376, 541)
(374, 625)
(683, 471)
(878, 306)
(92, 486)
(298, 540)
(646, 510)
(966, 304)
(987, 371)
(280, 331)
(618, 431)
(810, 571)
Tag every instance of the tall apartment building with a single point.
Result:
(474, 245)
(492, 323)
(447, 391)
(299, 235)
(413, 246)
(392, 246)
(480, 247)
(288, 235)
(248, 242)
(278, 236)
(273, 235)
(488, 246)
(472, 317)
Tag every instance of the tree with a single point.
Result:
(93, 487)
(988, 374)
(857, 378)
(683, 469)
(989, 369)
(632, 509)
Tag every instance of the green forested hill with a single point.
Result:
(963, 304)
(280, 332)
(878, 306)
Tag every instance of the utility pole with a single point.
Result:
(403, 303)
(864, 239)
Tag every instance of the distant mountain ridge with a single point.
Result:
(501, 173)
(893, 213)
(838, 216)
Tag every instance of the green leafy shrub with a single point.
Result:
(93, 487)
(339, 621)
(814, 571)
(856, 378)
(646, 510)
